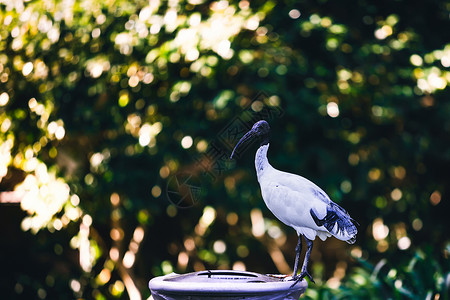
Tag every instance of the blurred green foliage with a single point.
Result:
(422, 277)
(117, 118)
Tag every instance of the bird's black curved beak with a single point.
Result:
(247, 137)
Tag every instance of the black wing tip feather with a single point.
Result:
(341, 219)
(352, 240)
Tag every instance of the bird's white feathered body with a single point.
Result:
(301, 204)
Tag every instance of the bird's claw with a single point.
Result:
(309, 276)
(300, 277)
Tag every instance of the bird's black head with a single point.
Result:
(260, 130)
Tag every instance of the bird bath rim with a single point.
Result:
(224, 282)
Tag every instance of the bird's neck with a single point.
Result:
(261, 162)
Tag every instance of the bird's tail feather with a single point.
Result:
(352, 240)
(338, 223)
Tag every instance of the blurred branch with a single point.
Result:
(277, 256)
(127, 278)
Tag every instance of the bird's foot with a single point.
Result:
(300, 277)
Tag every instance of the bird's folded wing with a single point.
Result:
(337, 222)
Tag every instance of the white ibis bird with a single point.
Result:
(297, 202)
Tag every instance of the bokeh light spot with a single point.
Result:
(239, 266)
(404, 243)
(396, 194)
(219, 247)
(187, 142)
(27, 68)
(4, 98)
(156, 191)
(435, 198)
(232, 218)
(379, 230)
(333, 109)
(294, 14)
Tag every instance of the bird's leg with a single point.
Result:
(304, 271)
(298, 250)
